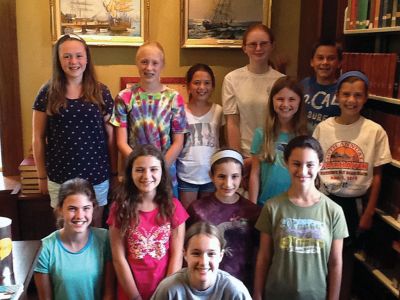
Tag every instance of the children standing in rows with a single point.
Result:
(75, 261)
(205, 120)
(355, 150)
(302, 231)
(320, 89)
(149, 112)
(147, 225)
(285, 119)
(71, 133)
(204, 249)
(234, 215)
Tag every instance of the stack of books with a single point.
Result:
(29, 176)
(371, 14)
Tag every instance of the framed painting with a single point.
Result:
(101, 22)
(220, 23)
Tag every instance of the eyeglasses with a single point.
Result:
(262, 45)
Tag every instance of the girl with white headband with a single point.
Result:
(233, 214)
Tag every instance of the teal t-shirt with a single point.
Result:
(75, 275)
(274, 177)
(302, 239)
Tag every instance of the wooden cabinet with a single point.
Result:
(36, 217)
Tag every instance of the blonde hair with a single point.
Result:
(272, 125)
(152, 44)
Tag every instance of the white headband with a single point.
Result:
(225, 154)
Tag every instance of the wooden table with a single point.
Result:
(25, 255)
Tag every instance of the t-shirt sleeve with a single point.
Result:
(179, 123)
(264, 222)
(40, 103)
(180, 214)
(316, 133)
(43, 262)
(382, 149)
(229, 102)
(108, 100)
(121, 109)
(340, 230)
(111, 220)
(257, 142)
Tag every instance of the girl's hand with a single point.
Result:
(43, 186)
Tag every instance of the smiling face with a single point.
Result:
(200, 87)
(150, 62)
(258, 46)
(286, 103)
(203, 256)
(77, 213)
(325, 63)
(73, 59)
(351, 97)
(303, 166)
(226, 178)
(146, 174)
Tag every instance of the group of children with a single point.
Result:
(298, 252)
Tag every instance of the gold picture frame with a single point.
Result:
(220, 23)
(101, 22)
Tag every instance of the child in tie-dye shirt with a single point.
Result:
(149, 112)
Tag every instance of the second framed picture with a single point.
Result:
(100, 22)
(220, 23)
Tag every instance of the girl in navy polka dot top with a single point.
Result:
(71, 133)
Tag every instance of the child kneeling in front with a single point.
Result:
(203, 251)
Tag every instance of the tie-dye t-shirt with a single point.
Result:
(151, 118)
(302, 239)
(147, 247)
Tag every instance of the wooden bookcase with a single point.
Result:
(378, 262)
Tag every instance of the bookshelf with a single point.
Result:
(379, 260)
(378, 274)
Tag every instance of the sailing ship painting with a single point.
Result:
(222, 19)
(100, 17)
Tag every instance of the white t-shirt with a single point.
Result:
(246, 94)
(193, 163)
(350, 154)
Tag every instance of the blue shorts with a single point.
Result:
(101, 191)
(184, 186)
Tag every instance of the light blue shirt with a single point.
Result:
(75, 275)
(274, 177)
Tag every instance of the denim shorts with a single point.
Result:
(101, 191)
(184, 186)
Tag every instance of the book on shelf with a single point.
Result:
(362, 14)
(30, 190)
(377, 13)
(371, 13)
(379, 67)
(398, 13)
(353, 14)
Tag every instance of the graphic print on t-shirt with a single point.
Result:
(301, 235)
(202, 134)
(153, 242)
(344, 163)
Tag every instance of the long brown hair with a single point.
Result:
(272, 125)
(128, 196)
(91, 90)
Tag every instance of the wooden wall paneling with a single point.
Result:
(10, 107)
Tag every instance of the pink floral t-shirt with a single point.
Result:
(147, 248)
